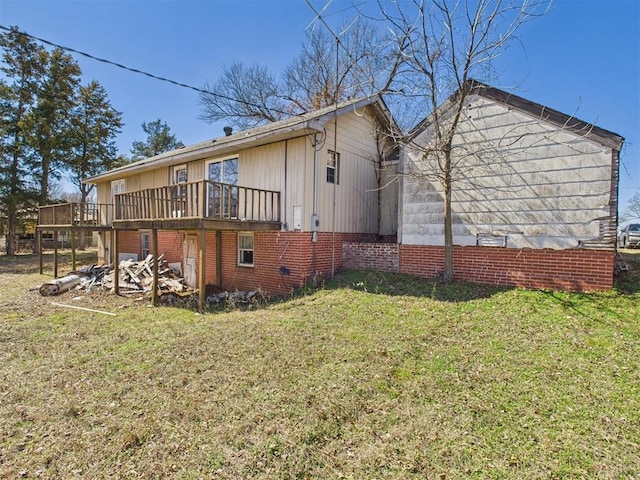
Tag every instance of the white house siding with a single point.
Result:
(389, 199)
(356, 203)
(356, 197)
(539, 185)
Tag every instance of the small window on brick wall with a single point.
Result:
(245, 249)
(333, 167)
(144, 245)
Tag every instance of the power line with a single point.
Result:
(138, 71)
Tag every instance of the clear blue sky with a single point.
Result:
(582, 58)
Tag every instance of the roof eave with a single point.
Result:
(307, 124)
(218, 147)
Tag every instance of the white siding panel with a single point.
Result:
(545, 187)
(354, 200)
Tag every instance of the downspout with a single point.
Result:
(314, 237)
(285, 225)
(337, 166)
(335, 182)
(615, 182)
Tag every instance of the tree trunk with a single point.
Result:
(447, 274)
(11, 232)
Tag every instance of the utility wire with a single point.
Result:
(135, 70)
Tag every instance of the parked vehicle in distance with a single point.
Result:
(629, 236)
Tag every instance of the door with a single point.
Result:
(190, 250)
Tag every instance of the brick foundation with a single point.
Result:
(572, 270)
(283, 261)
(383, 257)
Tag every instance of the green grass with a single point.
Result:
(372, 376)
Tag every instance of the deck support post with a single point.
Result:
(202, 272)
(219, 258)
(154, 239)
(72, 239)
(116, 273)
(40, 260)
(55, 254)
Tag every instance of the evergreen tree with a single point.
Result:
(94, 126)
(48, 125)
(23, 65)
(159, 140)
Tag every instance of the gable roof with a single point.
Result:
(293, 127)
(539, 111)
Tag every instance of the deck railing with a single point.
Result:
(76, 214)
(199, 200)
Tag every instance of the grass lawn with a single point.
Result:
(371, 377)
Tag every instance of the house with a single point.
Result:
(534, 201)
(534, 198)
(266, 208)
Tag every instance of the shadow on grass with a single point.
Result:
(398, 284)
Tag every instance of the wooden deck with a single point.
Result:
(201, 204)
(75, 215)
(193, 205)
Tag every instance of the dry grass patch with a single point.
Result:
(374, 376)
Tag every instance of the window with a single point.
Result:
(223, 194)
(333, 168)
(245, 249)
(144, 245)
(117, 187)
(179, 191)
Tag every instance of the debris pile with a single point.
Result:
(134, 278)
(235, 298)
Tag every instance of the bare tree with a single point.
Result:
(633, 208)
(331, 67)
(441, 46)
(245, 96)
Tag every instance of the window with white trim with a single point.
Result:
(179, 191)
(222, 196)
(245, 249)
(117, 187)
(333, 167)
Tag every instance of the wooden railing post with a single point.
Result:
(202, 193)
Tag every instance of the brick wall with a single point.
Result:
(283, 261)
(573, 270)
(129, 242)
(377, 256)
(170, 244)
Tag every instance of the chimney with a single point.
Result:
(228, 131)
